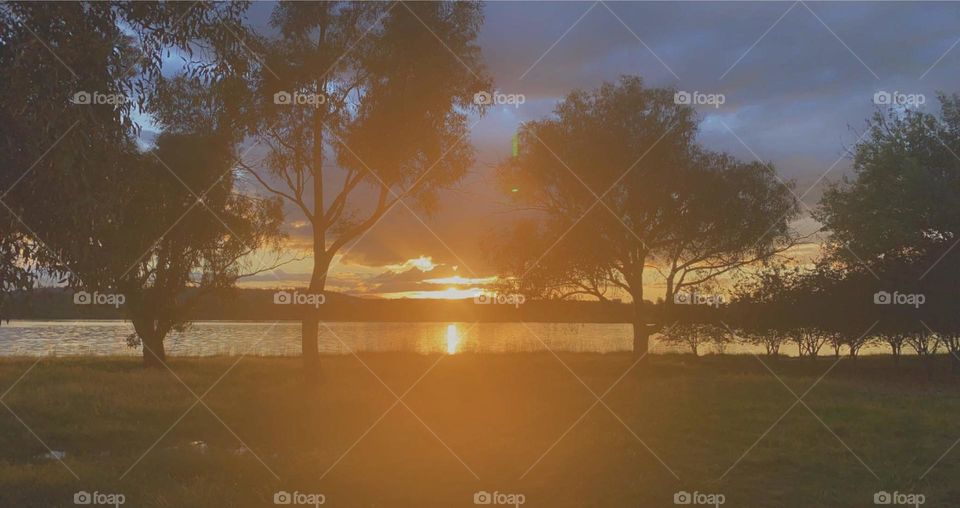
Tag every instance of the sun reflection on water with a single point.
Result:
(453, 339)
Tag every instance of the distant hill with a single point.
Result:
(258, 305)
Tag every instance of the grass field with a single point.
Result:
(511, 423)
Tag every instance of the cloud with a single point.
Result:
(414, 279)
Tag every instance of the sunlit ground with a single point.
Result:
(512, 423)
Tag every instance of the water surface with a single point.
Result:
(206, 338)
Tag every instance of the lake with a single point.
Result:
(206, 338)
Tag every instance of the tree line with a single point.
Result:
(616, 174)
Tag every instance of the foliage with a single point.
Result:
(619, 186)
(124, 220)
(387, 89)
(168, 239)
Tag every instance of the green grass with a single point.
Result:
(499, 414)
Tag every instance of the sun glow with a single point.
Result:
(456, 279)
(445, 294)
(422, 263)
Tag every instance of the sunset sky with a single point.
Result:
(798, 81)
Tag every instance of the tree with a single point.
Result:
(107, 228)
(721, 338)
(951, 341)
(619, 186)
(209, 247)
(771, 340)
(896, 341)
(51, 142)
(899, 215)
(855, 343)
(48, 146)
(923, 342)
(388, 102)
(734, 217)
(576, 274)
(691, 336)
(760, 308)
(16, 253)
(906, 158)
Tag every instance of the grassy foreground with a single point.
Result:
(480, 423)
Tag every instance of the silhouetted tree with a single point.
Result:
(687, 335)
(167, 249)
(759, 307)
(390, 105)
(735, 215)
(52, 143)
(122, 219)
(620, 186)
(899, 215)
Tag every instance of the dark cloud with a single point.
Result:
(408, 280)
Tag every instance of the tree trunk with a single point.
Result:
(310, 324)
(154, 355)
(151, 337)
(641, 333)
(953, 348)
(641, 338)
(309, 334)
(309, 339)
